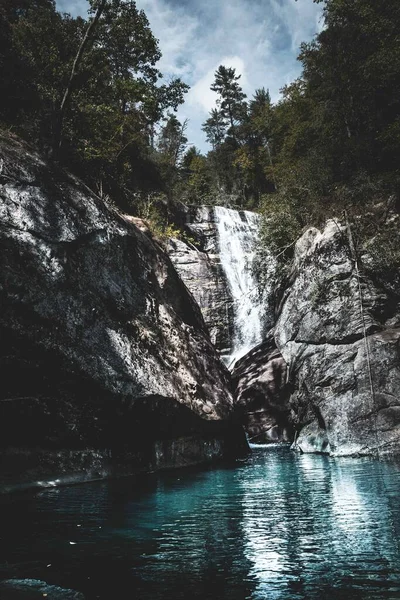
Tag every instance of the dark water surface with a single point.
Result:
(276, 526)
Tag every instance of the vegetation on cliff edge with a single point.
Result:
(89, 94)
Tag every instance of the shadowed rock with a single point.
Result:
(106, 364)
(200, 269)
(262, 394)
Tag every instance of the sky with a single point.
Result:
(259, 38)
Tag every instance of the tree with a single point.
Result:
(90, 88)
(86, 40)
(43, 42)
(352, 72)
(261, 117)
(172, 140)
(197, 174)
(17, 93)
(13, 10)
(215, 128)
(231, 101)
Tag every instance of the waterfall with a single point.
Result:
(237, 236)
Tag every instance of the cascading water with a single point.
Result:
(237, 236)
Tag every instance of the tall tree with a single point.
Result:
(261, 115)
(352, 72)
(92, 84)
(231, 96)
(86, 40)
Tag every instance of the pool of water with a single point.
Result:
(275, 525)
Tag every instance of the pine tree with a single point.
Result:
(215, 128)
(231, 101)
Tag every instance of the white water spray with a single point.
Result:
(237, 236)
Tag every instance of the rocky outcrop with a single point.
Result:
(106, 365)
(197, 261)
(339, 335)
(203, 276)
(262, 394)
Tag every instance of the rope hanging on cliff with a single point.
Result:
(367, 350)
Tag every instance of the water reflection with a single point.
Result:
(324, 528)
(276, 526)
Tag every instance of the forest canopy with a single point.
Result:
(89, 94)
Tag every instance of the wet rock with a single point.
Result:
(215, 262)
(203, 275)
(342, 350)
(262, 393)
(104, 352)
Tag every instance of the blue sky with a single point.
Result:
(260, 38)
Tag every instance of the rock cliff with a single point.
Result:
(339, 335)
(329, 372)
(199, 267)
(317, 376)
(106, 364)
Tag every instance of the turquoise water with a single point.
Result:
(276, 525)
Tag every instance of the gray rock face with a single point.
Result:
(347, 398)
(262, 393)
(200, 269)
(106, 365)
(259, 377)
(203, 276)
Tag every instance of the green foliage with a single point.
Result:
(331, 143)
(215, 128)
(231, 103)
(115, 99)
(334, 136)
(172, 140)
(240, 134)
(352, 76)
(197, 185)
(281, 226)
(154, 209)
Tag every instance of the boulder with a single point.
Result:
(262, 393)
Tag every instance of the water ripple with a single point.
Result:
(276, 526)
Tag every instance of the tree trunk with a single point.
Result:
(75, 67)
(180, 145)
(232, 122)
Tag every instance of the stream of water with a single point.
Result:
(275, 525)
(237, 236)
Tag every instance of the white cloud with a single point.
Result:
(259, 38)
